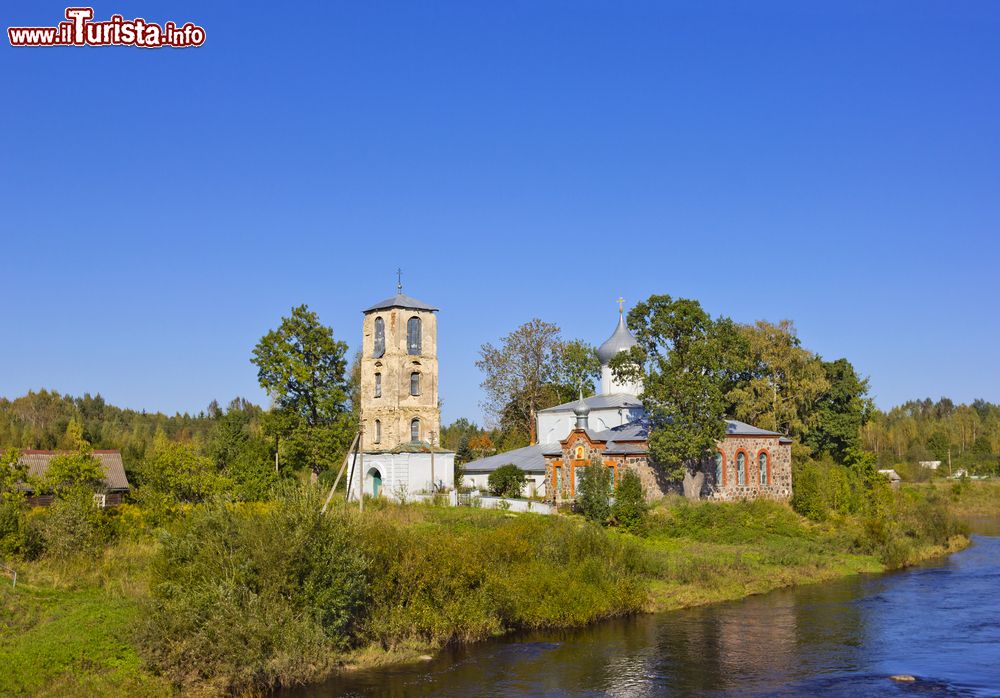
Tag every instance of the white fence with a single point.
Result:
(518, 505)
(475, 499)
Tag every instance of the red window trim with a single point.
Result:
(766, 452)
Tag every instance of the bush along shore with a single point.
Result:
(221, 597)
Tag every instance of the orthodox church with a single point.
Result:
(400, 416)
(613, 426)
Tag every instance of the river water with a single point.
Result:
(939, 622)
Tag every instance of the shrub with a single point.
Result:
(71, 525)
(12, 521)
(465, 575)
(176, 471)
(592, 494)
(12, 528)
(629, 509)
(254, 596)
(506, 481)
(69, 471)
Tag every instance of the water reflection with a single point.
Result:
(939, 622)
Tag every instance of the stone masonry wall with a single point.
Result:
(656, 486)
(395, 408)
(780, 482)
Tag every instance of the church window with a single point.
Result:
(378, 385)
(378, 431)
(413, 340)
(379, 350)
(559, 481)
(762, 460)
(415, 430)
(414, 383)
(611, 479)
(719, 460)
(741, 468)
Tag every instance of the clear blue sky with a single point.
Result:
(833, 163)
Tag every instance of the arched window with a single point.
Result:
(378, 431)
(413, 336)
(378, 385)
(415, 430)
(414, 383)
(764, 470)
(379, 349)
(719, 461)
(741, 468)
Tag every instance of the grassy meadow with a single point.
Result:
(191, 604)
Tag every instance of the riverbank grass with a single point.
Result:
(67, 628)
(699, 553)
(241, 598)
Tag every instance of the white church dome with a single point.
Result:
(621, 340)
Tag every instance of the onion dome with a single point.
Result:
(621, 340)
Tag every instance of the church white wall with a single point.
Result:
(553, 426)
(405, 474)
(534, 483)
(556, 426)
(610, 386)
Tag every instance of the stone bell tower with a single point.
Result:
(399, 373)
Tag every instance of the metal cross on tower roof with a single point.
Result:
(399, 280)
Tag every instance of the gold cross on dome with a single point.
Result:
(621, 305)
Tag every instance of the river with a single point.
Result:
(938, 622)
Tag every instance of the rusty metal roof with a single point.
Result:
(111, 463)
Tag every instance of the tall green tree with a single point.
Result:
(242, 452)
(629, 509)
(303, 369)
(519, 374)
(177, 473)
(593, 496)
(783, 383)
(683, 354)
(579, 370)
(842, 410)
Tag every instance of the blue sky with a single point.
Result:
(833, 163)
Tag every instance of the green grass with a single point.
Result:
(437, 575)
(709, 552)
(70, 642)
(965, 498)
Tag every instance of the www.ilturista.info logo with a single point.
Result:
(79, 30)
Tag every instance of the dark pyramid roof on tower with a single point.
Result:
(400, 300)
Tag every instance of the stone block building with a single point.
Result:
(613, 426)
(400, 412)
(749, 463)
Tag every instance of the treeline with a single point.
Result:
(962, 437)
(217, 439)
(40, 419)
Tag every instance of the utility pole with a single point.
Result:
(361, 471)
(433, 481)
